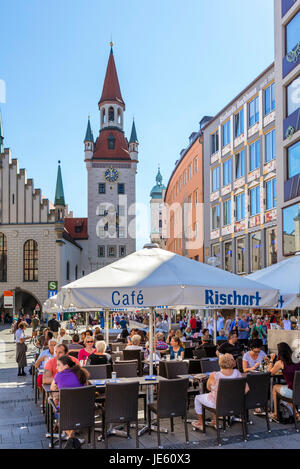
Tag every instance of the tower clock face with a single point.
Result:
(111, 174)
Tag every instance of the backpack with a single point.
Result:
(285, 414)
(72, 443)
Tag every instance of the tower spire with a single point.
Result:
(89, 134)
(59, 192)
(133, 136)
(111, 92)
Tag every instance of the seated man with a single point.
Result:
(75, 345)
(232, 346)
(44, 356)
(50, 368)
(63, 336)
(135, 343)
(221, 335)
(161, 345)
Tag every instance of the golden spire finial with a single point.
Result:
(111, 44)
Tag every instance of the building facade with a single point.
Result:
(287, 79)
(240, 176)
(156, 211)
(183, 203)
(42, 246)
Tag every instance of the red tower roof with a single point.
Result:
(111, 89)
(120, 145)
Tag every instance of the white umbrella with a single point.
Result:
(153, 277)
(284, 276)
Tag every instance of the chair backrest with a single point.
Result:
(175, 368)
(296, 388)
(117, 345)
(132, 355)
(77, 408)
(97, 371)
(259, 387)
(172, 398)
(199, 353)
(210, 350)
(209, 365)
(194, 367)
(126, 369)
(162, 369)
(121, 403)
(231, 396)
(188, 352)
(73, 353)
(239, 364)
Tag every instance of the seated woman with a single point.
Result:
(288, 367)
(227, 371)
(99, 357)
(69, 375)
(82, 338)
(176, 349)
(255, 357)
(89, 348)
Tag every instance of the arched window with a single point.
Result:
(103, 116)
(111, 114)
(119, 116)
(76, 272)
(31, 261)
(3, 258)
(68, 271)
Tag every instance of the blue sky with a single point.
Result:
(177, 61)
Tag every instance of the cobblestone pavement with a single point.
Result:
(22, 423)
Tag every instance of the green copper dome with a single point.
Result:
(156, 192)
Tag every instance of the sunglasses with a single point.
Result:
(89, 341)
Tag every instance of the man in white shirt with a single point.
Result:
(135, 341)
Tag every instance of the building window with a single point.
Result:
(293, 33)
(121, 188)
(270, 141)
(111, 251)
(240, 256)
(76, 272)
(255, 251)
(121, 231)
(227, 212)
(101, 187)
(226, 133)
(270, 99)
(239, 123)
(294, 160)
(271, 194)
(31, 261)
(291, 229)
(228, 256)
(111, 142)
(240, 207)
(216, 179)
(254, 151)
(240, 164)
(3, 258)
(195, 165)
(190, 202)
(101, 251)
(185, 177)
(196, 197)
(253, 111)
(216, 252)
(68, 271)
(227, 172)
(215, 217)
(215, 142)
(190, 171)
(271, 241)
(293, 96)
(254, 201)
(122, 251)
(111, 114)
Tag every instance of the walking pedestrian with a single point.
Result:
(21, 348)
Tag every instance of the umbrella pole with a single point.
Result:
(215, 326)
(169, 320)
(86, 320)
(107, 326)
(151, 313)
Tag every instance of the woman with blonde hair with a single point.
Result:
(227, 371)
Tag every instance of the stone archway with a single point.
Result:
(25, 302)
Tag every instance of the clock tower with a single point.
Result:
(111, 163)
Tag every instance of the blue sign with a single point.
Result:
(52, 293)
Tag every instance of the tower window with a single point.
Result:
(111, 142)
(111, 114)
(101, 188)
(122, 251)
(111, 251)
(3, 258)
(101, 251)
(31, 261)
(121, 188)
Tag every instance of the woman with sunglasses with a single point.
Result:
(89, 348)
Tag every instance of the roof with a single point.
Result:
(133, 136)
(77, 228)
(120, 151)
(89, 134)
(59, 192)
(111, 89)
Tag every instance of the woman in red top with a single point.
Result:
(288, 367)
(84, 353)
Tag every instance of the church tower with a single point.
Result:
(111, 164)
